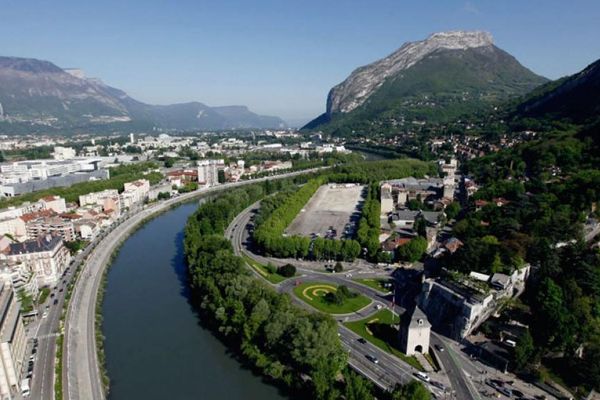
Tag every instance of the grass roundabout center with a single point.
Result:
(313, 293)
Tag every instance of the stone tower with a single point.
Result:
(414, 333)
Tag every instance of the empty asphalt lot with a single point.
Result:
(331, 206)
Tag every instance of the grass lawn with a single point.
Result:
(377, 329)
(43, 295)
(374, 283)
(263, 271)
(313, 293)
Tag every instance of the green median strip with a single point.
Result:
(263, 271)
(378, 329)
(375, 283)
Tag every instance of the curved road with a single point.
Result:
(81, 374)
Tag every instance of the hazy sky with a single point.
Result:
(278, 57)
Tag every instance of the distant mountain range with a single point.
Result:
(38, 95)
(434, 80)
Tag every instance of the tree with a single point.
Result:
(420, 226)
(452, 210)
(413, 390)
(524, 351)
(338, 267)
(413, 250)
(169, 162)
(163, 196)
(356, 387)
(287, 270)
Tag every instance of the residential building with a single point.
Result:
(403, 190)
(108, 199)
(457, 308)
(52, 225)
(12, 343)
(134, 193)
(387, 200)
(87, 229)
(54, 203)
(64, 153)
(15, 227)
(46, 256)
(208, 172)
(182, 177)
(276, 165)
(155, 190)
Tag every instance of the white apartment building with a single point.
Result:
(64, 153)
(45, 256)
(54, 203)
(12, 343)
(108, 199)
(208, 172)
(135, 192)
(14, 227)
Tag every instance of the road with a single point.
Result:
(81, 374)
(390, 370)
(47, 329)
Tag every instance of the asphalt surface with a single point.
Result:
(81, 374)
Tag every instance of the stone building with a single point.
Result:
(414, 333)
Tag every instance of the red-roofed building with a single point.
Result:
(479, 204)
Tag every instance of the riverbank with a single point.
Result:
(81, 377)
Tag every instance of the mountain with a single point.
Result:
(38, 95)
(574, 98)
(446, 76)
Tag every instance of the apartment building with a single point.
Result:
(53, 225)
(208, 172)
(134, 192)
(12, 343)
(46, 256)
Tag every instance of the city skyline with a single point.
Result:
(278, 59)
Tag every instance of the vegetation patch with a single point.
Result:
(376, 283)
(264, 270)
(379, 330)
(331, 299)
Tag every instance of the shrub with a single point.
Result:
(287, 270)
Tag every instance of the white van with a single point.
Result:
(25, 390)
(510, 343)
(423, 376)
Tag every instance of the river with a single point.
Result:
(155, 346)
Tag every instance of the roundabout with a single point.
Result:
(316, 295)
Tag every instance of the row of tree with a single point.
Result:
(275, 216)
(369, 223)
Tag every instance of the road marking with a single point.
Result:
(317, 289)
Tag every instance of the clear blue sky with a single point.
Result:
(280, 56)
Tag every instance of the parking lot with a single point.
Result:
(333, 211)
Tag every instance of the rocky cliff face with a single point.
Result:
(364, 81)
